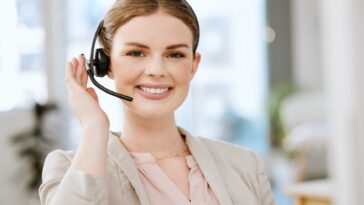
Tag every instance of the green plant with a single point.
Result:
(277, 95)
(33, 145)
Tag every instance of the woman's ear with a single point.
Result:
(195, 63)
(110, 74)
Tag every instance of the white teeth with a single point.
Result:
(154, 90)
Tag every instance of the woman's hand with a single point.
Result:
(91, 155)
(84, 100)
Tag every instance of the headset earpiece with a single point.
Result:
(101, 63)
(99, 66)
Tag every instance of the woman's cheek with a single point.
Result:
(184, 73)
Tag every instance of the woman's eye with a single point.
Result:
(135, 54)
(176, 55)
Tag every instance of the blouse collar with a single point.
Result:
(199, 151)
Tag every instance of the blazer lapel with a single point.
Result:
(208, 167)
(121, 156)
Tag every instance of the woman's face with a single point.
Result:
(152, 61)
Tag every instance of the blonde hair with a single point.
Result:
(124, 10)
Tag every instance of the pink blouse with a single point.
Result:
(162, 190)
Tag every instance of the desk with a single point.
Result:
(309, 193)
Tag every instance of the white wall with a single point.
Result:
(343, 61)
(328, 54)
(306, 56)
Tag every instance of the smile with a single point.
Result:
(154, 92)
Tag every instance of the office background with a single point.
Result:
(281, 77)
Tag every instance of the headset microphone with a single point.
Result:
(99, 65)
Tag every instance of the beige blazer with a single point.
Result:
(235, 175)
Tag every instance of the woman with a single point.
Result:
(151, 45)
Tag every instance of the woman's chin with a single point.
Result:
(149, 112)
(156, 114)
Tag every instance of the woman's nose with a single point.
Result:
(156, 67)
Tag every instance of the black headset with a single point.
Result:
(99, 63)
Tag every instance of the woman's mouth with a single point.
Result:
(154, 92)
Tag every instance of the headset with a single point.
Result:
(99, 63)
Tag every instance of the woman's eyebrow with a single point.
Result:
(137, 45)
(177, 46)
(170, 47)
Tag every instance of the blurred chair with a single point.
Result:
(304, 121)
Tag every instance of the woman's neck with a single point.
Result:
(156, 136)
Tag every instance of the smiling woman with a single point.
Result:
(142, 61)
(151, 47)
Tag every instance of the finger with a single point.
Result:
(79, 70)
(92, 92)
(70, 80)
(84, 77)
(69, 72)
(74, 67)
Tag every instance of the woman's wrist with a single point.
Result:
(96, 125)
(92, 151)
(96, 132)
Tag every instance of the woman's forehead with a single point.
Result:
(155, 28)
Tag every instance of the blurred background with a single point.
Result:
(281, 77)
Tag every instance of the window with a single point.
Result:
(228, 91)
(22, 76)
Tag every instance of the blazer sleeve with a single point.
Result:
(266, 195)
(63, 185)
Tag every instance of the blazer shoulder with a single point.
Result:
(224, 147)
(56, 164)
(237, 156)
(234, 160)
